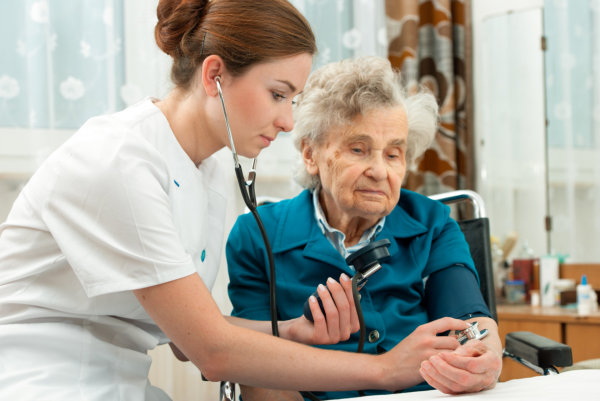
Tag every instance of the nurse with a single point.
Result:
(112, 246)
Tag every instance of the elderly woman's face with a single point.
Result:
(361, 165)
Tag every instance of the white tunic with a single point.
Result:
(119, 206)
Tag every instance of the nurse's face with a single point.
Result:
(259, 102)
(361, 165)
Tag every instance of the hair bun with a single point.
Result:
(176, 19)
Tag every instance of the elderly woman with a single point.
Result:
(357, 130)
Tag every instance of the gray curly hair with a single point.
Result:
(338, 92)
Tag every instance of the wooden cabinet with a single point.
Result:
(582, 334)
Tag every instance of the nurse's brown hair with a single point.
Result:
(241, 32)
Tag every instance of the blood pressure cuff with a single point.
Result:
(454, 292)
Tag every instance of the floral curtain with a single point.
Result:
(63, 62)
(430, 43)
(345, 28)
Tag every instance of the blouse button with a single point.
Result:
(203, 255)
(373, 336)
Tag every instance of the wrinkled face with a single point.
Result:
(361, 165)
(259, 102)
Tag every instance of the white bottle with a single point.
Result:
(584, 297)
(549, 267)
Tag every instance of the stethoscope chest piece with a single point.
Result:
(471, 333)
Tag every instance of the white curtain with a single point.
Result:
(64, 61)
(68, 60)
(59, 70)
(528, 170)
(346, 28)
(573, 110)
(509, 121)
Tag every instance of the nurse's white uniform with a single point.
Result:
(119, 206)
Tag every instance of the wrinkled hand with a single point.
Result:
(422, 344)
(472, 367)
(337, 324)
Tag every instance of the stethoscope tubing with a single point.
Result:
(249, 197)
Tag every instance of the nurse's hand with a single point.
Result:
(472, 367)
(337, 324)
(421, 345)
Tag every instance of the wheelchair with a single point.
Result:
(538, 353)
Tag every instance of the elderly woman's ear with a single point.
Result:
(308, 158)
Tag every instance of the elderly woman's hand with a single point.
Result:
(337, 324)
(470, 368)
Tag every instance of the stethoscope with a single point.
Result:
(249, 196)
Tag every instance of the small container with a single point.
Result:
(515, 291)
(560, 285)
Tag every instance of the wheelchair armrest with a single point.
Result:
(531, 349)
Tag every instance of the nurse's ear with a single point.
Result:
(308, 157)
(213, 66)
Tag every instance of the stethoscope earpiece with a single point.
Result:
(248, 195)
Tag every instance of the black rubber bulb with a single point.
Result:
(362, 260)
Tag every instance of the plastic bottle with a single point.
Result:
(584, 297)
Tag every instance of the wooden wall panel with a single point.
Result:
(575, 270)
